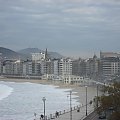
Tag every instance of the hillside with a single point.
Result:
(9, 54)
(25, 53)
(28, 52)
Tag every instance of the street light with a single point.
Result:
(104, 88)
(97, 95)
(44, 99)
(70, 106)
(86, 100)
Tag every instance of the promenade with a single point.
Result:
(75, 114)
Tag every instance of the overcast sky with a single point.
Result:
(70, 27)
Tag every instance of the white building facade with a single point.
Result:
(1, 67)
(38, 56)
(65, 67)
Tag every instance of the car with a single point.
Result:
(111, 108)
(102, 115)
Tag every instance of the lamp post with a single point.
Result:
(70, 106)
(44, 99)
(86, 100)
(97, 95)
(104, 88)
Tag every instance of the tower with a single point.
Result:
(46, 55)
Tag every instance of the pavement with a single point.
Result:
(81, 115)
(75, 114)
(92, 116)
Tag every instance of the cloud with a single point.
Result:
(57, 23)
(17, 8)
(84, 10)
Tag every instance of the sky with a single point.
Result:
(71, 27)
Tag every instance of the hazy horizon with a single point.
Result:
(70, 27)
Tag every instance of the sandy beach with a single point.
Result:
(39, 81)
(77, 90)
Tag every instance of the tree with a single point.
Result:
(110, 101)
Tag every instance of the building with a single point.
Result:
(38, 56)
(110, 64)
(1, 67)
(1, 64)
(65, 67)
(92, 67)
(55, 62)
(36, 68)
(72, 79)
(77, 68)
(87, 68)
(48, 67)
(18, 67)
(109, 54)
(8, 67)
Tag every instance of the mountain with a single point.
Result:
(25, 53)
(9, 54)
(28, 52)
(54, 55)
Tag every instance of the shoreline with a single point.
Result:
(77, 90)
(39, 81)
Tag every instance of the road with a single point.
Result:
(93, 116)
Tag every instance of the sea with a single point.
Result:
(21, 101)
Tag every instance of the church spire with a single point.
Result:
(95, 56)
(46, 54)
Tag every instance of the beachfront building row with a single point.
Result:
(105, 67)
(37, 68)
(86, 67)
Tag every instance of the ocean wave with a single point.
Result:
(5, 91)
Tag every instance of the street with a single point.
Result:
(93, 116)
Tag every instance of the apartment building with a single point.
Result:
(55, 65)
(18, 67)
(38, 56)
(36, 68)
(87, 68)
(65, 66)
(110, 64)
(48, 67)
(79, 67)
(92, 67)
(8, 67)
(1, 67)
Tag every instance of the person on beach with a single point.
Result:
(57, 114)
(41, 116)
(78, 109)
(35, 116)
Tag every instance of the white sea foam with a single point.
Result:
(27, 99)
(5, 91)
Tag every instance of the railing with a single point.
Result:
(54, 115)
